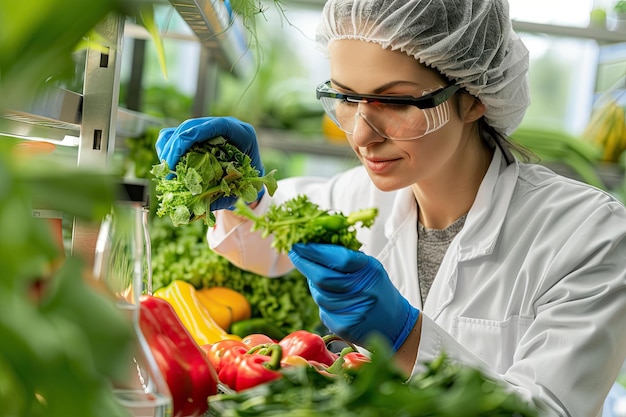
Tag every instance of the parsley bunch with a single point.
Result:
(208, 171)
(301, 221)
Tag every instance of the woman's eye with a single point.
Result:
(345, 102)
(402, 107)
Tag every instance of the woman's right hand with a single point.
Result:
(173, 143)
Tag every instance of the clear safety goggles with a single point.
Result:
(392, 117)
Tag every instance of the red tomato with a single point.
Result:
(257, 339)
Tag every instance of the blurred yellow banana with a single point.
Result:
(607, 129)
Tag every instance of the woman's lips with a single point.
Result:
(379, 165)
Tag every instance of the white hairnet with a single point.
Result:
(471, 42)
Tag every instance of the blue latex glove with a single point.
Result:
(354, 293)
(173, 143)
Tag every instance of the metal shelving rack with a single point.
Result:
(91, 121)
(600, 35)
(219, 31)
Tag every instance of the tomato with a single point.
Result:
(257, 339)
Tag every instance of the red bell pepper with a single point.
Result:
(295, 360)
(187, 371)
(256, 339)
(216, 351)
(258, 369)
(353, 361)
(229, 365)
(309, 345)
(242, 370)
(349, 361)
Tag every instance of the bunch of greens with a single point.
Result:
(377, 389)
(182, 253)
(208, 171)
(301, 221)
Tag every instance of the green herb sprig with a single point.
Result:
(208, 171)
(301, 221)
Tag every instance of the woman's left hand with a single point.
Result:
(354, 293)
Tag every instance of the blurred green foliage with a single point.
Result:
(63, 340)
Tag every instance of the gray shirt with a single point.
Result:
(432, 245)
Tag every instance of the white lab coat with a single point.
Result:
(533, 288)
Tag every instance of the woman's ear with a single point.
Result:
(470, 108)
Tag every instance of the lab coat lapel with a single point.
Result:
(399, 254)
(486, 216)
(479, 234)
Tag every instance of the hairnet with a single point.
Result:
(471, 42)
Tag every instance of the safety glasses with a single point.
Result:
(395, 118)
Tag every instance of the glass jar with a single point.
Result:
(120, 260)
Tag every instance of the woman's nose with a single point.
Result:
(365, 132)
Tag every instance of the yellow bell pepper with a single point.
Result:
(196, 318)
(221, 313)
(218, 297)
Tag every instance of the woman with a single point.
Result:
(499, 263)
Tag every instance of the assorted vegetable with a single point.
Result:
(221, 313)
(258, 359)
(209, 170)
(181, 253)
(308, 345)
(257, 325)
(241, 370)
(256, 339)
(299, 220)
(378, 388)
(349, 362)
(236, 302)
(187, 371)
(195, 317)
(225, 305)
(217, 352)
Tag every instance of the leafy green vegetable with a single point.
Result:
(378, 389)
(301, 221)
(208, 171)
(182, 253)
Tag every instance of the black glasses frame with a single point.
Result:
(427, 101)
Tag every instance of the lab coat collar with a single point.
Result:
(480, 232)
(486, 216)
(404, 214)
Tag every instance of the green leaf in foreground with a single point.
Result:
(208, 171)
(444, 389)
(301, 221)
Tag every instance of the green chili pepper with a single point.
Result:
(331, 222)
